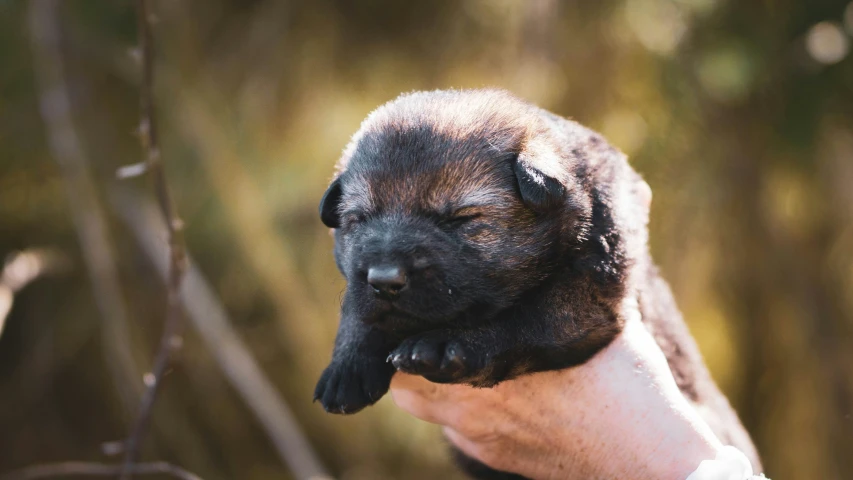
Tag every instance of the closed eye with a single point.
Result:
(352, 218)
(462, 216)
(465, 218)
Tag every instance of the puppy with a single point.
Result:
(483, 238)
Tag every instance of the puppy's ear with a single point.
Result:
(539, 191)
(329, 205)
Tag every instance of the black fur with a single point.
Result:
(520, 233)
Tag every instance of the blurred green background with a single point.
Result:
(737, 113)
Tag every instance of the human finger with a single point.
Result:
(418, 396)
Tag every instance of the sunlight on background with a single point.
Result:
(827, 43)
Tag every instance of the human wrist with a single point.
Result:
(669, 437)
(678, 459)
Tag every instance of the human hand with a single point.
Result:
(619, 415)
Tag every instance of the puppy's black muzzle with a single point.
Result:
(397, 261)
(387, 280)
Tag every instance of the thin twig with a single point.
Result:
(20, 269)
(171, 339)
(97, 469)
(54, 90)
(86, 212)
(208, 316)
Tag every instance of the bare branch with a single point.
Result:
(206, 313)
(87, 214)
(171, 339)
(209, 318)
(96, 469)
(22, 268)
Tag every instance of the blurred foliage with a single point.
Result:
(738, 114)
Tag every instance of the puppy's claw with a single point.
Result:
(453, 360)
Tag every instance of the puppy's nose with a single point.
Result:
(386, 280)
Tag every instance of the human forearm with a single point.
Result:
(620, 415)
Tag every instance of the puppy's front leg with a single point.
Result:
(487, 355)
(359, 374)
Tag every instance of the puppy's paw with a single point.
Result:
(440, 357)
(347, 386)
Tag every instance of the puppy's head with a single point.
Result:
(450, 205)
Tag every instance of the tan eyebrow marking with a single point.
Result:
(357, 195)
(482, 197)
